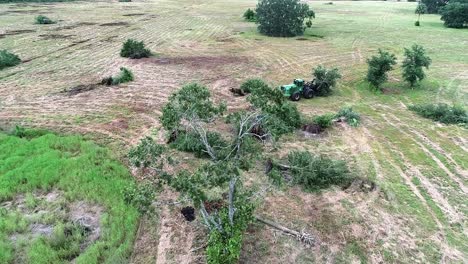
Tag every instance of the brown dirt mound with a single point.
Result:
(195, 62)
(188, 213)
(80, 89)
(55, 36)
(114, 24)
(16, 32)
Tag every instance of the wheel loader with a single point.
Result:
(299, 88)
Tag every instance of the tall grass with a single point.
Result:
(82, 171)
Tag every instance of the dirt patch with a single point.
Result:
(360, 185)
(188, 213)
(134, 14)
(114, 24)
(195, 62)
(55, 36)
(391, 90)
(80, 89)
(212, 206)
(16, 32)
(312, 129)
(118, 124)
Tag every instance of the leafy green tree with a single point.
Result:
(282, 18)
(434, 5)
(415, 60)
(455, 14)
(420, 9)
(378, 66)
(325, 79)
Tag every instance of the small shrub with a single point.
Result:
(420, 10)
(415, 60)
(250, 15)
(324, 121)
(351, 117)
(281, 18)
(417, 23)
(43, 20)
(125, 75)
(252, 84)
(146, 153)
(276, 177)
(325, 79)
(378, 66)
(134, 50)
(141, 196)
(317, 172)
(8, 59)
(442, 113)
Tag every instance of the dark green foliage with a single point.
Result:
(352, 118)
(252, 84)
(22, 132)
(134, 50)
(415, 60)
(281, 18)
(145, 154)
(19, 131)
(417, 23)
(281, 116)
(434, 5)
(225, 247)
(250, 15)
(378, 66)
(44, 20)
(276, 177)
(317, 172)
(191, 101)
(125, 75)
(325, 79)
(324, 121)
(140, 196)
(310, 16)
(455, 14)
(191, 142)
(8, 59)
(442, 113)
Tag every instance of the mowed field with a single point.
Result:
(416, 214)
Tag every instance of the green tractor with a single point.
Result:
(299, 89)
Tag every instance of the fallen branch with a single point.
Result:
(301, 236)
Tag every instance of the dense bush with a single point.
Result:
(281, 116)
(415, 60)
(351, 117)
(134, 50)
(44, 20)
(324, 121)
(434, 5)
(225, 246)
(325, 79)
(146, 153)
(455, 14)
(125, 75)
(282, 18)
(442, 113)
(191, 101)
(141, 196)
(252, 84)
(8, 59)
(316, 172)
(378, 66)
(250, 15)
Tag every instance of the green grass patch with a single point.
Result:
(81, 171)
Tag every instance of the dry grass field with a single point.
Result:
(416, 214)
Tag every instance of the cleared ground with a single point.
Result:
(418, 213)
